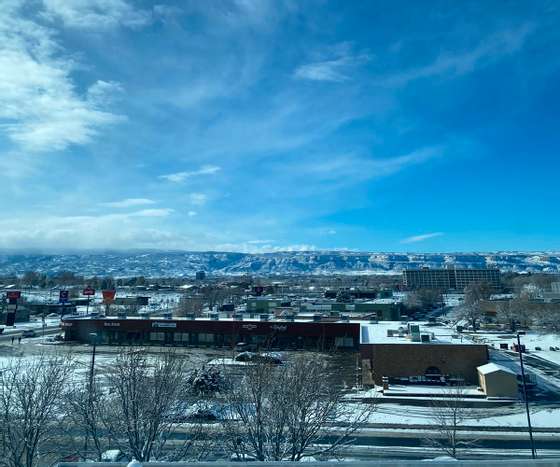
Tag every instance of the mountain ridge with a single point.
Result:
(157, 263)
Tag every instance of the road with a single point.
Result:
(49, 330)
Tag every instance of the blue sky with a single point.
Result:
(255, 125)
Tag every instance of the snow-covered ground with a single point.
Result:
(505, 416)
(531, 340)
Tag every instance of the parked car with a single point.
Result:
(252, 357)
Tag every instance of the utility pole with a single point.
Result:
(533, 451)
(93, 337)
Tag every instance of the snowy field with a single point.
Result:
(531, 340)
(505, 416)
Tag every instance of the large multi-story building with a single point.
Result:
(449, 279)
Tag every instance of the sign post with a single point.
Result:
(88, 292)
(108, 299)
(13, 297)
(63, 297)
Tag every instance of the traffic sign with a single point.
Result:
(88, 291)
(108, 296)
(63, 296)
(13, 294)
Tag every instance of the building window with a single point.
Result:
(181, 337)
(157, 336)
(344, 341)
(206, 338)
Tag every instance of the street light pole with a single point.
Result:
(93, 338)
(533, 451)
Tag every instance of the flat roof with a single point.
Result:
(377, 333)
(271, 319)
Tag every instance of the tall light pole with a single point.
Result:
(533, 451)
(93, 339)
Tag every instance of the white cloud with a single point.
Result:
(334, 69)
(198, 199)
(39, 105)
(192, 213)
(179, 177)
(352, 168)
(493, 47)
(96, 14)
(129, 202)
(162, 212)
(421, 238)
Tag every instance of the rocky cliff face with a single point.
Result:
(153, 264)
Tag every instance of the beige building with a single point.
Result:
(497, 381)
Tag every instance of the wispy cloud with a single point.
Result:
(161, 212)
(39, 102)
(198, 199)
(352, 167)
(179, 177)
(460, 63)
(336, 69)
(129, 202)
(421, 238)
(96, 14)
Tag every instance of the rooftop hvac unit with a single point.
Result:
(425, 338)
(264, 317)
(390, 332)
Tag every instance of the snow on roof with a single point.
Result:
(376, 333)
(493, 368)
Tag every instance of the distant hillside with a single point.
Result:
(177, 264)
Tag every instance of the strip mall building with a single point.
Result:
(387, 349)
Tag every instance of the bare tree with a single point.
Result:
(85, 409)
(146, 394)
(190, 304)
(448, 414)
(507, 313)
(471, 310)
(280, 412)
(30, 391)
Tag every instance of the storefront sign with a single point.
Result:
(164, 325)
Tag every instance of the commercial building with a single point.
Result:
(224, 332)
(414, 354)
(449, 279)
(403, 353)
